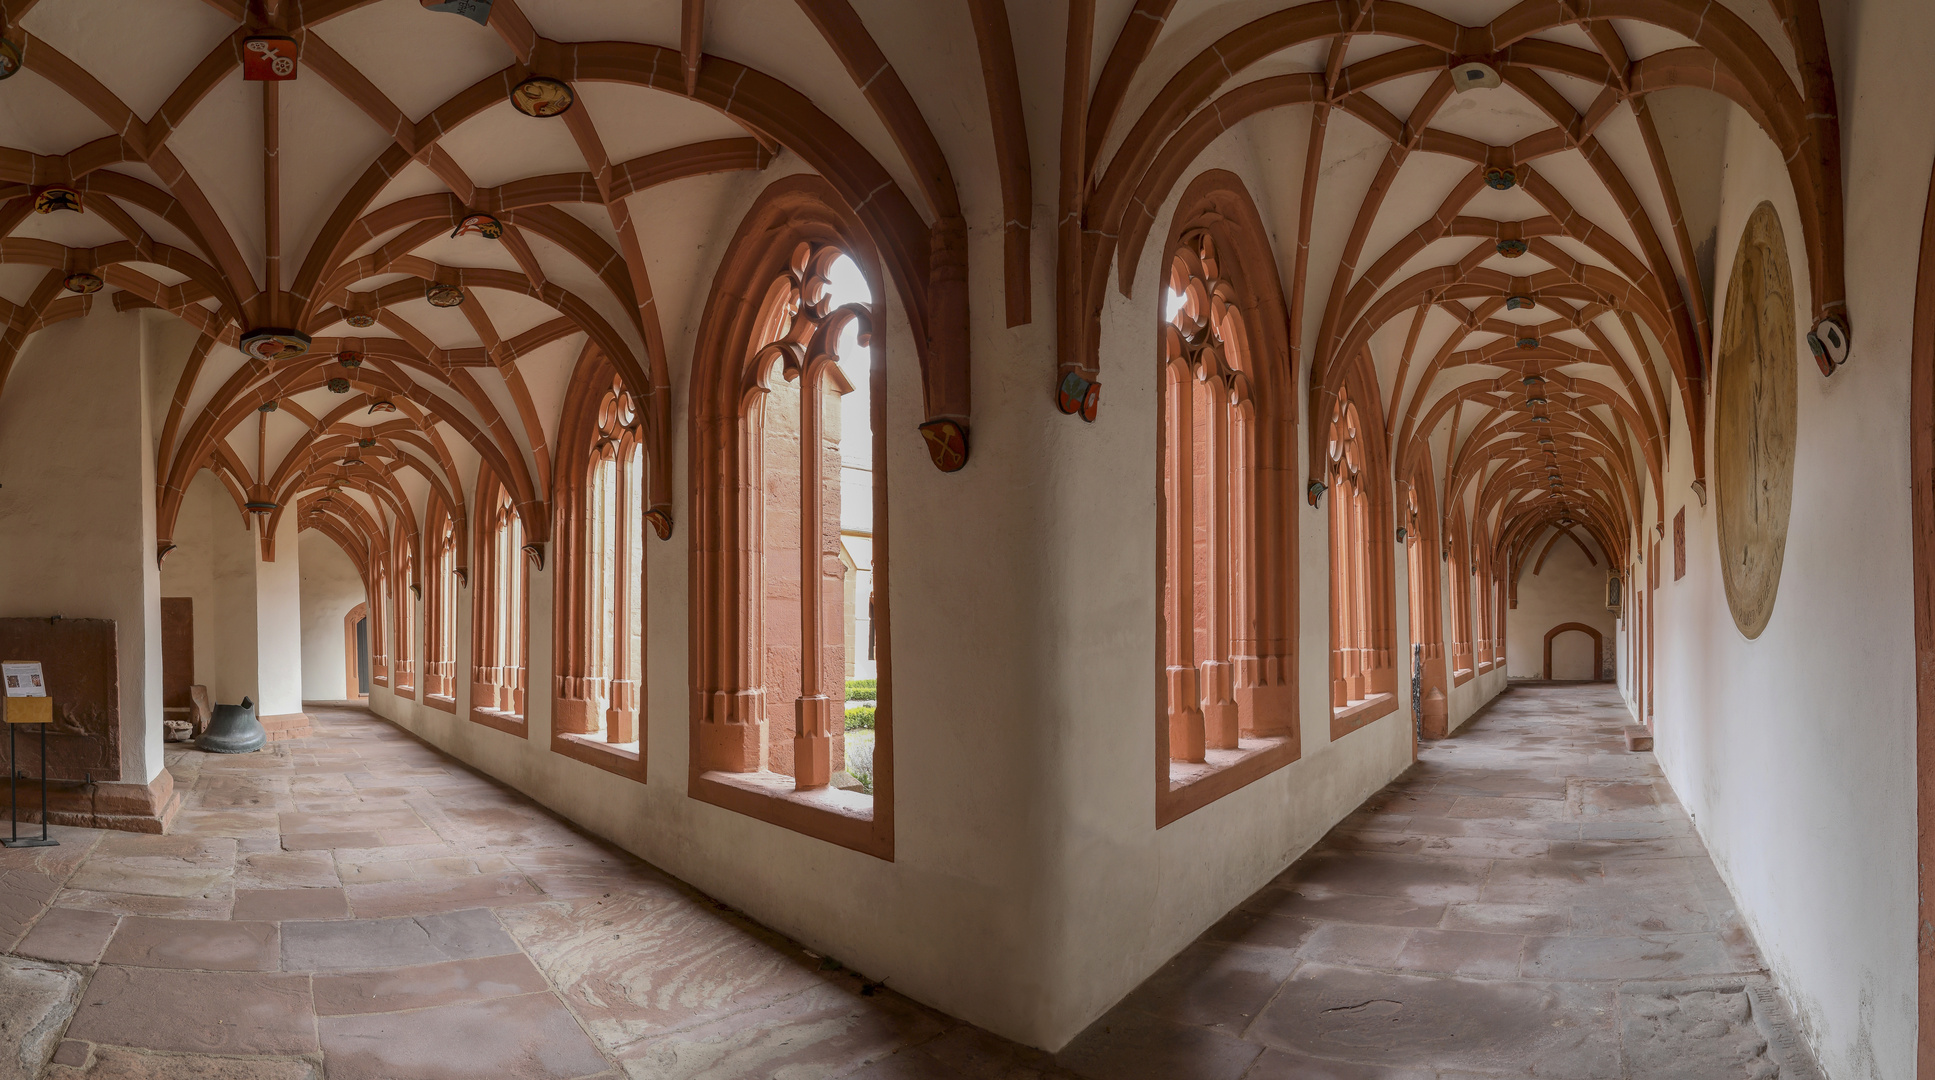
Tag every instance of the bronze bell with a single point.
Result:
(234, 730)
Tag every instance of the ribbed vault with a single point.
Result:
(447, 259)
(1517, 278)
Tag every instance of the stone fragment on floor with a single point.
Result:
(36, 1000)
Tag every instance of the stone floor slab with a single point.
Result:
(829, 1030)
(1127, 1045)
(530, 1036)
(353, 944)
(197, 1012)
(275, 905)
(194, 944)
(426, 985)
(636, 966)
(69, 936)
(118, 1063)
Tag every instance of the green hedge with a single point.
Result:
(863, 689)
(860, 717)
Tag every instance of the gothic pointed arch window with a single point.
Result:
(404, 591)
(1363, 676)
(500, 615)
(599, 703)
(1227, 691)
(1484, 603)
(381, 606)
(1418, 518)
(440, 610)
(789, 540)
(1458, 582)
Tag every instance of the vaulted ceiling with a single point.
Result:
(1491, 208)
(337, 207)
(1465, 252)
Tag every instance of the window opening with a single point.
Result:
(498, 666)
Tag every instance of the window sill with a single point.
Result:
(380, 680)
(625, 759)
(1359, 714)
(1461, 676)
(406, 692)
(439, 702)
(502, 721)
(1484, 666)
(849, 819)
(1193, 785)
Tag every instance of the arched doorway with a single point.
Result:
(356, 651)
(1598, 649)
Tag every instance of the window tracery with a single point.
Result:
(498, 670)
(790, 553)
(440, 614)
(1458, 573)
(379, 636)
(1207, 416)
(1226, 695)
(1363, 678)
(1426, 608)
(599, 701)
(800, 373)
(403, 598)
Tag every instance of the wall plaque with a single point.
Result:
(1754, 421)
(81, 664)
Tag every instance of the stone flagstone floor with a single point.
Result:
(1528, 901)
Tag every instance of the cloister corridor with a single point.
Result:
(1528, 900)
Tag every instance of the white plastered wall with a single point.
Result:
(330, 589)
(1795, 752)
(213, 565)
(77, 520)
(246, 611)
(278, 624)
(1569, 588)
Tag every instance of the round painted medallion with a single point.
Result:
(80, 281)
(542, 96)
(274, 343)
(1754, 421)
(56, 197)
(484, 225)
(442, 295)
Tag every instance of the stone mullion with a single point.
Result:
(812, 732)
(1358, 667)
(621, 709)
(1187, 738)
(1219, 704)
(575, 681)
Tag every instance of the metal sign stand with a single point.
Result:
(27, 703)
(14, 758)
